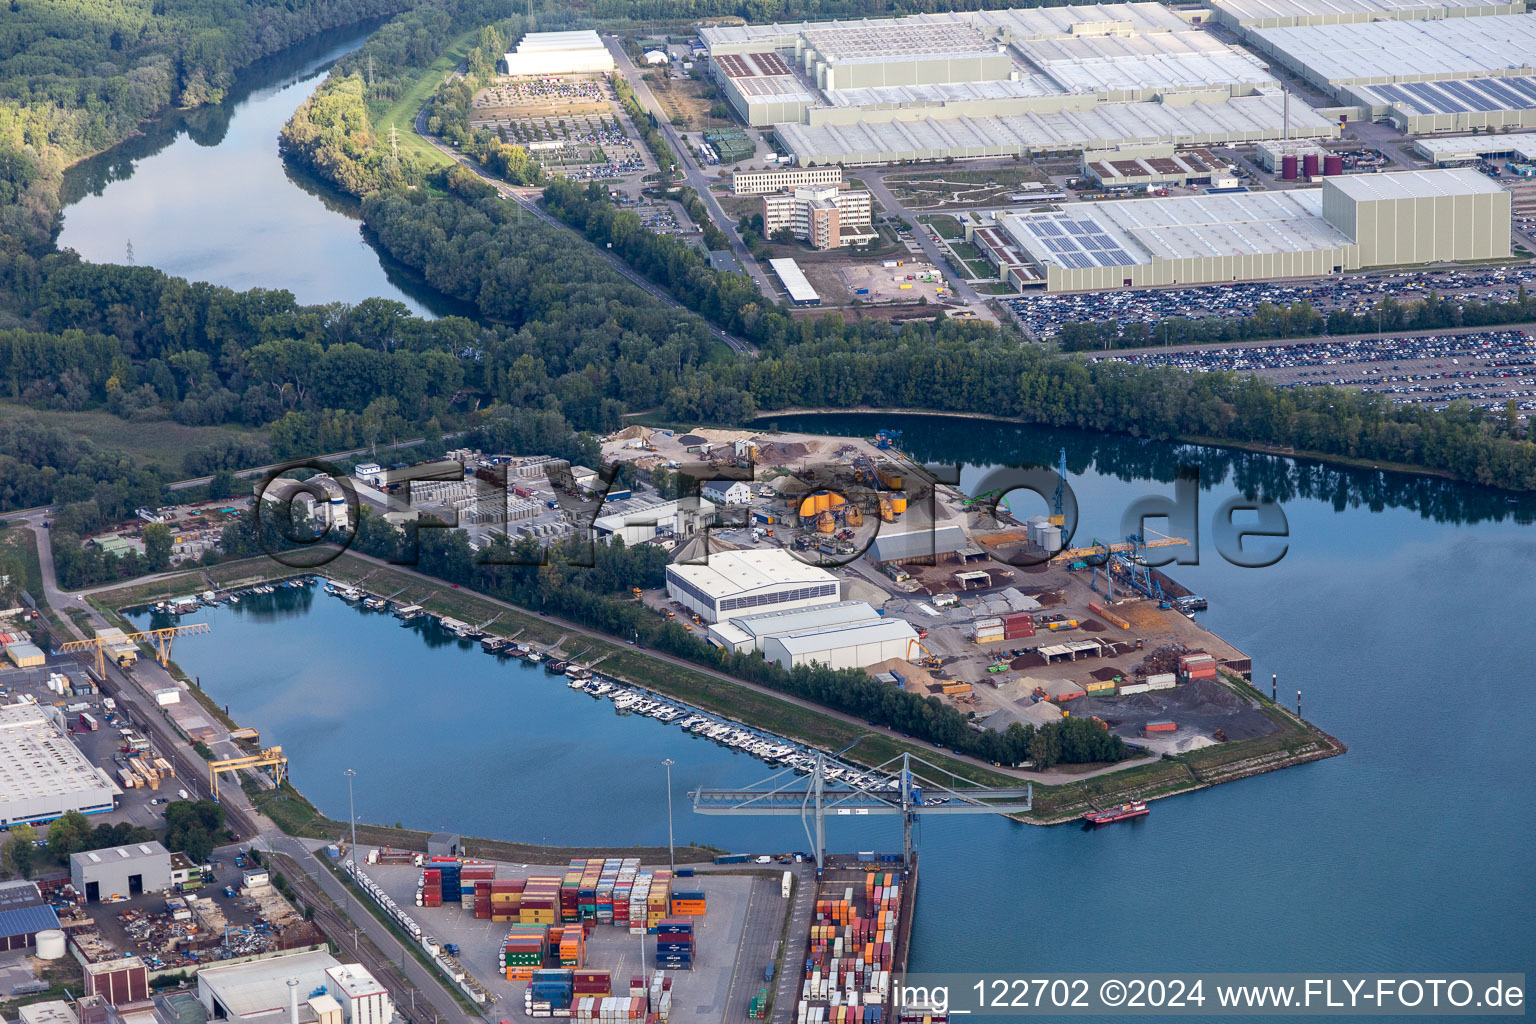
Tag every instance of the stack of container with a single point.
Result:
(1197, 665)
(688, 903)
(1100, 687)
(610, 1010)
(757, 1007)
(506, 898)
(591, 983)
(660, 998)
(522, 951)
(539, 902)
(549, 993)
(657, 898)
(1162, 681)
(429, 892)
(450, 878)
(569, 944)
(989, 631)
(471, 875)
(674, 944)
(1018, 625)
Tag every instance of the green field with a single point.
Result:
(402, 115)
(160, 441)
(947, 227)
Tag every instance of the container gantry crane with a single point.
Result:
(899, 789)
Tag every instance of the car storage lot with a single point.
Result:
(698, 996)
(1043, 313)
(1487, 367)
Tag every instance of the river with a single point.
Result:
(1400, 609)
(204, 195)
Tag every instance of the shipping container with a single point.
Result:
(1161, 726)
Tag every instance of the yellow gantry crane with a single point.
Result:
(160, 639)
(272, 758)
(1125, 547)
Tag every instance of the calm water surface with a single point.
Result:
(1397, 609)
(204, 195)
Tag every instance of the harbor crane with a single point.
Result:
(160, 638)
(272, 758)
(893, 788)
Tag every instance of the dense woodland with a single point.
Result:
(333, 132)
(77, 76)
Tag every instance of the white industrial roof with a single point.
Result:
(579, 39)
(1181, 60)
(1450, 181)
(1140, 231)
(38, 762)
(774, 89)
(260, 987)
(1364, 10)
(133, 851)
(729, 573)
(355, 980)
(830, 637)
(765, 624)
(1495, 44)
(865, 42)
(940, 93)
(1044, 22)
(1472, 146)
(795, 281)
(1103, 126)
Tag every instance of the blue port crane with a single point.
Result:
(905, 785)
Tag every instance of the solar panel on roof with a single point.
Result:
(1046, 227)
(1120, 257)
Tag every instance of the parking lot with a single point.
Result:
(1487, 368)
(572, 126)
(1042, 314)
(698, 996)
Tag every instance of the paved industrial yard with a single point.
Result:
(735, 936)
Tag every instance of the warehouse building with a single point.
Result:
(779, 179)
(1333, 58)
(854, 645)
(668, 519)
(918, 541)
(824, 215)
(559, 53)
(801, 291)
(1471, 149)
(257, 992)
(1073, 128)
(126, 871)
(43, 775)
(1353, 221)
(737, 582)
(1000, 83)
(1461, 105)
(23, 913)
(744, 633)
(1243, 15)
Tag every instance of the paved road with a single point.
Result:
(131, 689)
(692, 172)
(526, 199)
(875, 182)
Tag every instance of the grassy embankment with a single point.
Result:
(401, 115)
(22, 542)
